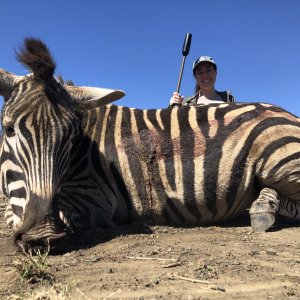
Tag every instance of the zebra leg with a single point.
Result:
(263, 210)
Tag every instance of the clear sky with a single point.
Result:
(135, 45)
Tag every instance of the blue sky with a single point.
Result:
(135, 45)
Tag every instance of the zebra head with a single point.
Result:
(39, 123)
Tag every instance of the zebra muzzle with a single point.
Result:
(50, 232)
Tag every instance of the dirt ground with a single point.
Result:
(157, 262)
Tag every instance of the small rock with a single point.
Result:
(271, 252)
(95, 259)
(219, 288)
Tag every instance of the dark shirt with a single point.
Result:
(192, 100)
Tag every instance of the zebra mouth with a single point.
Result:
(50, 233)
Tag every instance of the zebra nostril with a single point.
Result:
(17, 238)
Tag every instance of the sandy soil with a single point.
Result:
(156, 262)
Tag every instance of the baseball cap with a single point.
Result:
(202, 59)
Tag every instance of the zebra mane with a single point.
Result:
(36, 57)
(62, 81)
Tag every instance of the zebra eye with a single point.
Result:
(9, 131)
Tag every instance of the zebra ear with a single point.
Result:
(92, 97)
(7, 83)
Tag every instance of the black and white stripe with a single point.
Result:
(193, 165)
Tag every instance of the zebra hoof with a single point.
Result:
(262, 221)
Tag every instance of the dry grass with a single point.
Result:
(32, 270)
(32, 267)
(36, 279)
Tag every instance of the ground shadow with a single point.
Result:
(90, 238)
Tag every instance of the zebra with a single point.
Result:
(72, 160)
